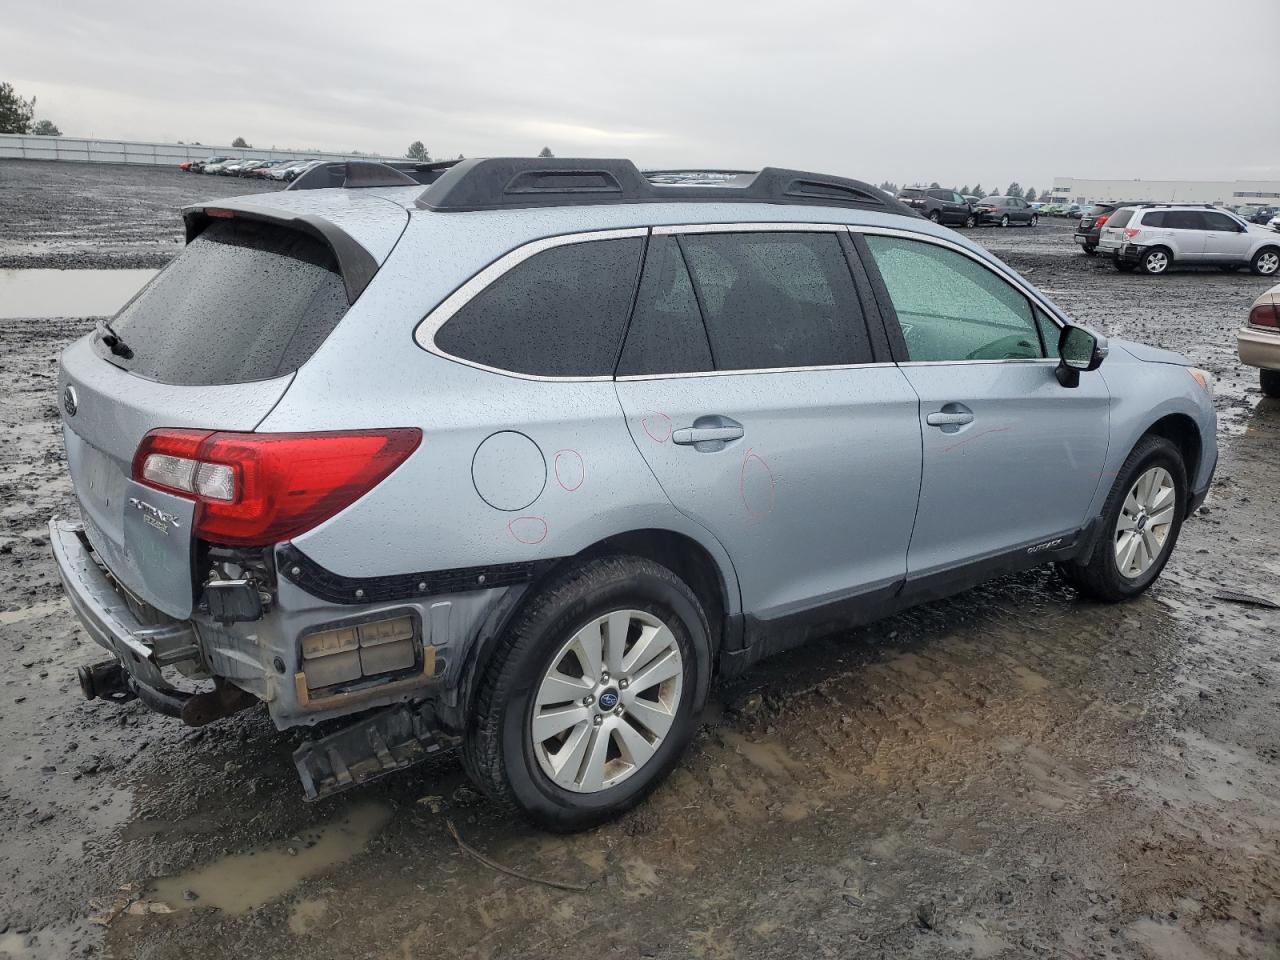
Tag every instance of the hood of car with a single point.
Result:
(1149, 354)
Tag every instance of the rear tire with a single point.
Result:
(1035, 219)
(500, 749)
(1266, 262)
(1155, 261)
(1269, 380)
(935, 217)
(1090, 251)
(970, 221)
(1100, 577)
(1004, 221)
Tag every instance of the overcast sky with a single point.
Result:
(904, 90)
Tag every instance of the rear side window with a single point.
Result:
(244, 301)
(1184, 220)
(1121, 217)
(776, 300)
(952, 308)
(561, 313)
(666, 334)
(911, 193)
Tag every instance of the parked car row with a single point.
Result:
(949, 207)
(286, 170)
(1152, 237)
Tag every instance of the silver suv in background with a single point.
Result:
(517, 454)
(1154, 237)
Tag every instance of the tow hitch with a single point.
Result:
(106, 681)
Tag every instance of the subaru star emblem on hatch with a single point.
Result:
(70, 401)
(609, 699)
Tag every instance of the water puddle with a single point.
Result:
(240, 882)
(67, 293)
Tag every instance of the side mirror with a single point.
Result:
(1078, 350)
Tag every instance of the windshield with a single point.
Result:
(244, 301)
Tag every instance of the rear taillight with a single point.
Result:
(1130, 232)
(256, 489)
(1265, 315)
(1101, 221)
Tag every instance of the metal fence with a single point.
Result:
(27, 147)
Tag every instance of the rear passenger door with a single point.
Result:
(1186, 231)
(772, 424)
(1011, 457)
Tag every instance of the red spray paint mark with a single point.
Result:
(528, 530)
(658, 426)
(573, 468)
(975, 437)
(747, 464)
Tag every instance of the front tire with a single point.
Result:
(1269, 380)
(1140, 524)
(591, 695)
(935, 217)
(1124, 266)
(1155, 261)
(1266, 262)
(1035, 219)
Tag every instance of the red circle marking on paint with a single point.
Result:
(742, 486)
(530, 538)
(582, 468)
(644, 423)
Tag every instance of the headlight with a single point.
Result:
(1202, 377)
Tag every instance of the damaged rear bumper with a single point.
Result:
(141, 650)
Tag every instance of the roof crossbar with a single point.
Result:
(505, 183)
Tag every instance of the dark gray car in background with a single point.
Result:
(1005, 211)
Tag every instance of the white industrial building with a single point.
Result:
(1229, 193)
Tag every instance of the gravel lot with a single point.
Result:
(1010, 773)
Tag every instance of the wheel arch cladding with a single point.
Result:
(1181, 430)
(679, 553)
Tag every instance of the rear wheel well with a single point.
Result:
(682, 555)
(1181, 431)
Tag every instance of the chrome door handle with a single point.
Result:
(948, 419)
(689, 435)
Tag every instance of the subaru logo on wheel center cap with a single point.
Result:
(70, 401)
(609, 699)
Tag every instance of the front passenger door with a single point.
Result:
(1011, 457)
(1226, 240)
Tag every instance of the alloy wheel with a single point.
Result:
(607, 701)
(1156, 262)
(1145, 521)
(1268, 263)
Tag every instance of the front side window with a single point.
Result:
(776, 299)
(561, 313)
(952, 308)
(1219, 221)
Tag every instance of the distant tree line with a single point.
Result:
(17, 115)
(1013, 190)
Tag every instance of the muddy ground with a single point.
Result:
(1010, 773)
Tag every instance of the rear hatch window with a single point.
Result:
(244, 301)
(1120, 218)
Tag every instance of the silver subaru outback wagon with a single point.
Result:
(515, 455)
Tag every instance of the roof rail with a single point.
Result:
(370, 173)
(507, 183)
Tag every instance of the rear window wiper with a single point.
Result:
(112, 340)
